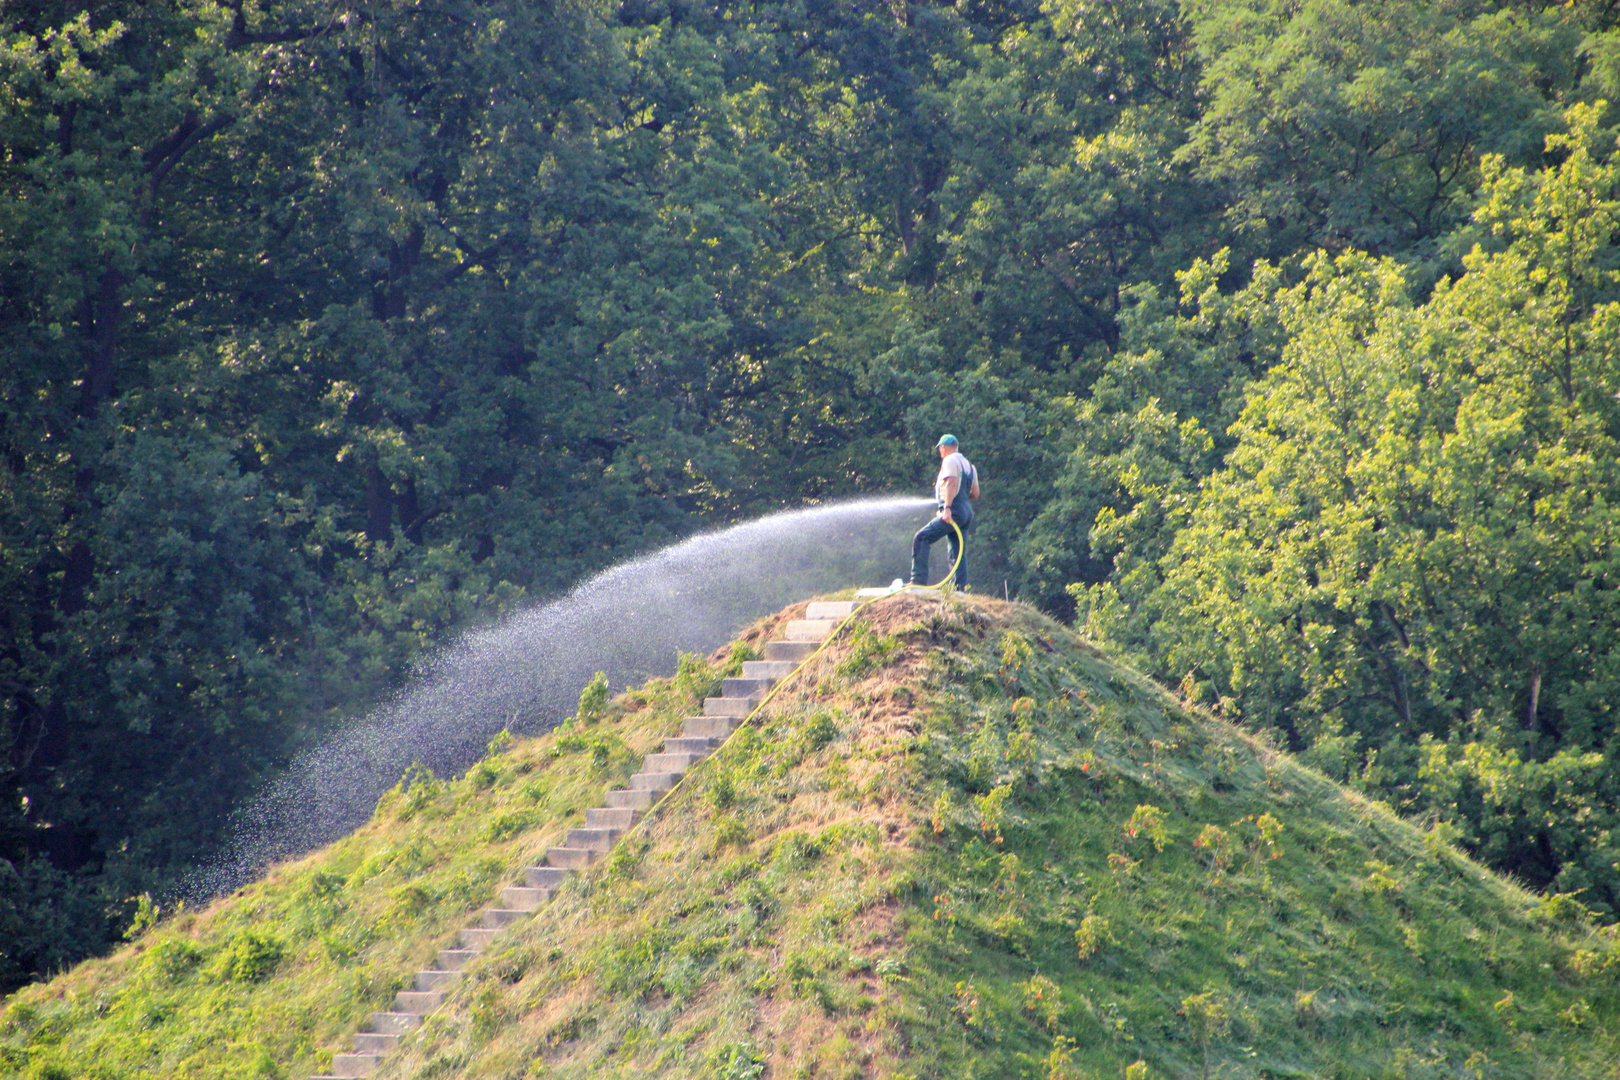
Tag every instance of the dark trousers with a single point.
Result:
(923, 542)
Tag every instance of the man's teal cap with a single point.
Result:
(945, 440)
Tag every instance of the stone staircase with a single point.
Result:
(604, 826)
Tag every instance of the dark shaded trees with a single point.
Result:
(326, 329)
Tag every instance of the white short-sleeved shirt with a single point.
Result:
(953, 465)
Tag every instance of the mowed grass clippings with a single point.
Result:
(962, 844)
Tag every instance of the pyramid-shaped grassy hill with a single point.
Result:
(960, 843)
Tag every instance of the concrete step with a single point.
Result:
(745, 687)
(699, 746)
(355, 1064)
(436, 979)
(718, 728)
(476, 938)
(831, 609)
(809, 630)
(546, 877)
(571, 857)
(421, 1002)
(374, 1042)
(670, 763)
(524, 897)
(633, 798)
(493, 918)
(621, 817)
(654, 781)
(768, 669)
(395, 1023)
(598, 840)
(789, 651)
(455, 959)
(729, 706)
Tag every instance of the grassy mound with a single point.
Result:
(964, 845)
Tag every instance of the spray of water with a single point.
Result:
(525, 674)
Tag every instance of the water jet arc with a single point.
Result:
(525, 673)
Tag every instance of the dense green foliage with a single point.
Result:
(1405, 563)
(964, 845)
(325, 329)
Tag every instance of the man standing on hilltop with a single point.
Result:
(958, 481)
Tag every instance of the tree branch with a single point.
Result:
(194, 133)
(240, 36)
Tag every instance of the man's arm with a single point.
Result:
(953, 484)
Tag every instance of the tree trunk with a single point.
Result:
(379, 506)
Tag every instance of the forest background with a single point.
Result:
(1285, 334)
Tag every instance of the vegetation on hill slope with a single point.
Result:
(963, 845)
(324, 325)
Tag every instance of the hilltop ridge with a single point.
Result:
(962, 843)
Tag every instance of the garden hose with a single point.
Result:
(944, 586)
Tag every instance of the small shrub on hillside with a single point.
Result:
(730, 831)
(417, 789)
(343, 945)
(1215, 843)
(1309, 1009)
(867, 651)
(406, 903)
(175, 958)
(1271, 830)
(1208, 1019)
(1148, 820)
(721, 790)
(1577, 1015)
(993, 810)
(487, 1014)
(818, 731)
(944, 810)
(626, 857)
(695, 678)
(971, 1008)
(1563, 908)
(320, 903)
(593, 700)
(1381, 878)
(734, 1061)
(1122, 866)
(847, 834)
(633, 966)
(1044, 999)
(483, 775)
(740, 654)
(1016, 654)
(145, 917)
(1060, 1062)
(1090, 936)
(795, 850)
(505, 826)
(602, 746)
(253, 957)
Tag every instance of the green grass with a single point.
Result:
(966, 845)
